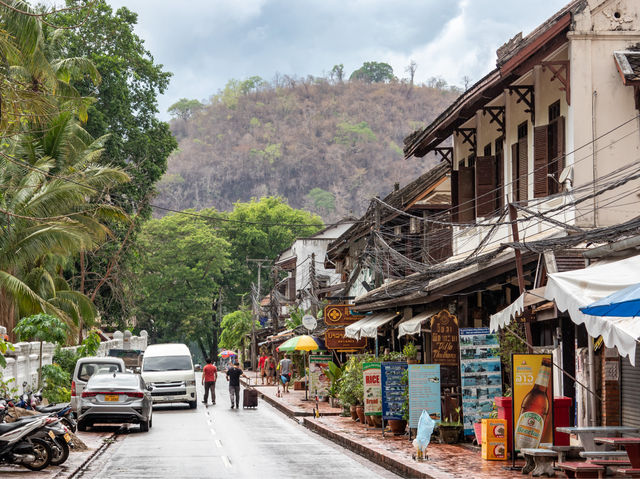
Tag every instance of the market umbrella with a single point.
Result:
(624, 303)
(225, 353)
(302, 343)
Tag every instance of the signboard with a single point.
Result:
(481, 374)
(339, 315)
(392, 389)
(444, 339)
(424, 392)
(319, 382)
(532, 400)
(372, 389)
(335, 339)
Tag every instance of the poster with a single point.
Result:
(424, 392)
(392, 389)
(532, 400)
(481, 374)
(319, 382)
(372, 389)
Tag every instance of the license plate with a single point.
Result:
(67, 437)
(51, 435)
(111, 397)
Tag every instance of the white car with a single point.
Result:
(168, 369)
(87, 367)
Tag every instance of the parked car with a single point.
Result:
(115, 398)
(168, 369)
(87, 367)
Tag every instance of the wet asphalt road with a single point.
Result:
(219, 442)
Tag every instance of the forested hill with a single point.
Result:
(325, 146)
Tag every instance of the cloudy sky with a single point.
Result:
(204, 43)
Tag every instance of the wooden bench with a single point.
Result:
(539, 461)
(582, 470)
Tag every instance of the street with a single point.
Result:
(219, 442)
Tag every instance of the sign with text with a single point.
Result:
(335, 339)
(339, 315)
(444, 339)
(392, 389)
(532, 400)
(372, 389)
(481, 374)
(424, 392)
(319, 382)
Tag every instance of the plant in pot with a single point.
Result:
(334, 373)
(410, 352)
(350, 388)
(451, 429)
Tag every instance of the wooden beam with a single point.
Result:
(562, 72)
(526, 95)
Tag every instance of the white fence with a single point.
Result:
(22, 364)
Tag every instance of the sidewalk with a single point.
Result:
(394, 453)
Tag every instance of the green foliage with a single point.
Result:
(405, 394)
(350, 134)
(90, 345)
(322, 200)
(350, 385)
(4, 347)
(334, 373)
(410, 351)
(234, 89)
(185, 108)
(42, 327)
(373, 72)
(270, 153)
(8, 388)
(235, 327)
(337, 73)
(511, 344)
(56, 383)
(295, 317)
(66, 359)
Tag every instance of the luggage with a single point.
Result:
(249, 397)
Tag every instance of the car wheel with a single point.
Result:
(42, 452)
(60, 451)
(144, 426)
(151, 422)
(193, 404)
(82, 426)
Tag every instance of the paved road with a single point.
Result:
(219, 442)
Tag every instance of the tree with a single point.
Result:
(337, 73)
(235, 328)
(42, 327)
(373, 72)
(184, 108)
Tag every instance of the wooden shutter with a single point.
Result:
(514, 173)
(540, 161)
(438, 243)
(523, 170)
(561, 148)
(455, 199)
(291, 286)
(485, 185)
(466, 204)
(500, 177)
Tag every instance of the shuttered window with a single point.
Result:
(438, 242)
(556, 152)
(499, 173)
(485, 176)
(523, 170)
(455, 198)
(540, 161)
(630, 391)
(515, 193)
(466, 194)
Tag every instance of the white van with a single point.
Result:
(168, 369)
(87, 367)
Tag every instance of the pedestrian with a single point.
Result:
(271, 371)
(286, 370)
(262, 364)
(209, 378)
(233, 376)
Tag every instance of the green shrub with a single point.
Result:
(56, 384)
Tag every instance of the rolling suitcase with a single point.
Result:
(249, 397)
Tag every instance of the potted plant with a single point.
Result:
(334, 373)
(410, 352)
(350, 388)
(451, 429)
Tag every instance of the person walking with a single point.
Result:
(271, 371)
(286, 370)
(233, 376)
(262, 364)
(209, 378)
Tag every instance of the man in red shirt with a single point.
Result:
(209, 376)
(262, 364)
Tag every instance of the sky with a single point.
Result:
(205, 43)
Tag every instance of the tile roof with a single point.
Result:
(628, 63)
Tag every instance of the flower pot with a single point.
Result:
(449, 434)
(360, 413)
(477, 428)
(369, 421)
(354, 414)
(377, 421)
(412, 361)
(397, 426)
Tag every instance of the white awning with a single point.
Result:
(368, 327)
(413, 325)
(504, 317)
(573, 290)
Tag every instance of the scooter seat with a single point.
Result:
(10, 426)
(51, 408)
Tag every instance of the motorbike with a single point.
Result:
(63, 411)
(20, 445)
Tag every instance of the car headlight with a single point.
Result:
(191, 382)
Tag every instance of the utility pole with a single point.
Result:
(513, 218)
(256, 312)
(313, 287)
(275, 310)
(379, 266)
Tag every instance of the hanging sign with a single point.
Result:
(424, 392)
(393, 389)
(319, 382)
(532, 400)
(372, 389)
(481, 374)
(339, 315)
(335, 339)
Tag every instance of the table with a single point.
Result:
(587, 434)
(631, 445)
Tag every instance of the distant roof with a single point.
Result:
(628, 63)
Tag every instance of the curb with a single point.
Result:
(80, 470)
(393, 465)
(279, 406)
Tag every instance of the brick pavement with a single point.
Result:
(393, 452)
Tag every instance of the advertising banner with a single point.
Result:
(319, 382)
(372, 389)
(481, 374)
(335, 339)
(424, 392)
(392, 389)
(532, 400)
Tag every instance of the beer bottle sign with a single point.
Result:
(532, 400)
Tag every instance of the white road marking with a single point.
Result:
(226, 461)
(213, 431)
(218, 443)
(209, 422)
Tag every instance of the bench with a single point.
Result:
(629, 472)
(539, 461)
(581, 470)
(606, 463)
(566, 451)
(603, 454)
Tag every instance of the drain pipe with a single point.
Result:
(592, 375)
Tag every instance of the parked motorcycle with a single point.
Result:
(63, 411)
(20, 445)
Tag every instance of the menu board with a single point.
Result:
(372, 389)
(319, 382)
(392, 389)
(481, 374)
(424, 392)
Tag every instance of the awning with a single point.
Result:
(413, 325)
(368, 327)
(505, 316)
(573, 290)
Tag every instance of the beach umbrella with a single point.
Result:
(226, 353)
(301, 343)
(623, 304)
